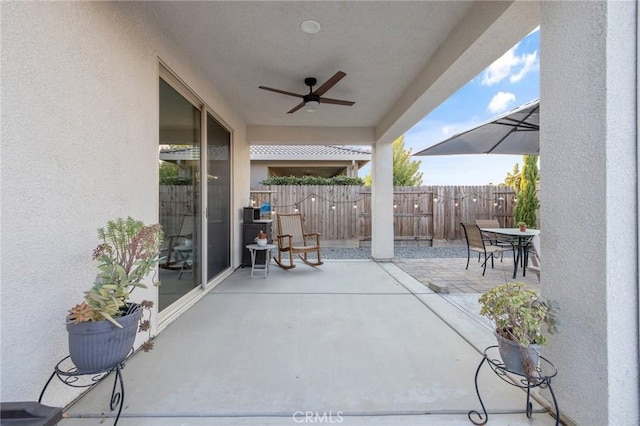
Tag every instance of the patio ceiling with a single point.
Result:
(394, 53)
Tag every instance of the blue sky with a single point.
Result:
(510, 81)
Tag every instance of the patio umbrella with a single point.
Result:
(514, 132)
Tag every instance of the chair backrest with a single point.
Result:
(188, 225)
(488, 223)
(291, 224)
(473, 235)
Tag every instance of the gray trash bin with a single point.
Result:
(29, 413)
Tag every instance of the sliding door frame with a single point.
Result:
(184, 90)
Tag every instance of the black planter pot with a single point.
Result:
(100, 345)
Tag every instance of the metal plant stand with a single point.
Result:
(541, 378)
(70, 376)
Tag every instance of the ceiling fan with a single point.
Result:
(314, 98)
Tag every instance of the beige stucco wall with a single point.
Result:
(79, 147)
(589, 205)
(382, 199)
(259, 172)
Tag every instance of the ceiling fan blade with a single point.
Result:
(329, 83)
(280, 91)
(295, 108)
(335, 101)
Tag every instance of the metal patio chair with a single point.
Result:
(533, 256)
(476, 243)
(493, 239)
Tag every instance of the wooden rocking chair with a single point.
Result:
(291, 238)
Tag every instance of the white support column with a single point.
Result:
(589, 205)
(382, 201)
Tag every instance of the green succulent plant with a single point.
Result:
(129, 252)
(520, 313)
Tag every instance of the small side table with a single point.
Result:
(253, 248)
(68, 374)
(541, 378)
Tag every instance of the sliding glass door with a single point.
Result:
(195, 215)
(218, 198)
(180, 135)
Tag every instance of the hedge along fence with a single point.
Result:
(420, 213)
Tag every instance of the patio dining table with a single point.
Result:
(524, 237)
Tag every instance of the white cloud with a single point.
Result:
(510, 65)
(501, 101)
(530, 63)
(500, 69)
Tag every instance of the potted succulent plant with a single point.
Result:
(261, 239)
(102, 329)
(522, 226)
(519, 314)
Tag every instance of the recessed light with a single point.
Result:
(310, 26)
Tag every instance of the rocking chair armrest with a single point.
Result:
(312, 234)
(282, 243)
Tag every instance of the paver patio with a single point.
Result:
(450, 276)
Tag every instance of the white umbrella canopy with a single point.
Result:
(514, 132)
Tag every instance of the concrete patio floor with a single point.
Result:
(360, 342)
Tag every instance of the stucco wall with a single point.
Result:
(589, 175)
(260, 169)
(79, 147)
(259, 172)
(382, 199)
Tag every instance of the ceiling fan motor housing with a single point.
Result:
(311, 98)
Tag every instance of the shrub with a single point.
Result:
(175, 180)
(313, 180)
(519, 313)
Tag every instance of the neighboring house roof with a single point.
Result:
(308, 152)
(215, 152)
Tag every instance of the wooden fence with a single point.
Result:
(176, 202)
(421, 214)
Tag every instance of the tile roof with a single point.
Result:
(312, 150)
(215, 152)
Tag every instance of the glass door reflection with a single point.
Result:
(179, 196)
(218, 198)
